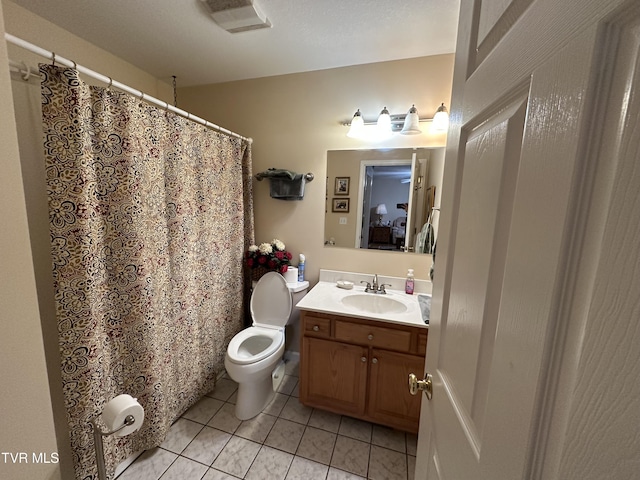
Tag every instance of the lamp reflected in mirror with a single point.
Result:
(381, 210)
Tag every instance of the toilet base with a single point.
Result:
(253, 397)
(277, 376)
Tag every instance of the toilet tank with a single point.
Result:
(292, 330)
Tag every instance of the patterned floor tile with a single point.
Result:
(225, 419)
(325, 420)
(180, 435)
(337, 474)
(237, 456)
(317, 445)
(354, 428)
(183, 468)
(285, 435)
(204, 410)
(387, 464)
(257, 428)
(389, 438)
(351, 455)
(150, 465)
(270, 463)
(207, 445)
(225, 387)
(296, 411)
(287, 441)
(304, 469)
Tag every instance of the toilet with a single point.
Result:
(255, 353)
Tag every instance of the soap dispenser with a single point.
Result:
(409, 283)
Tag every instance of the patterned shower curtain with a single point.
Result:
(150, 216)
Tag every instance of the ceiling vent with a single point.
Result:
(237, 15)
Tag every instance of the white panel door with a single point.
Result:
(544, 120)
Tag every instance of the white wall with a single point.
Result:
(25, 403)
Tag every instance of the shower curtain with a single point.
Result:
(150, 215)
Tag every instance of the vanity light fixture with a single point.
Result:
(384, 123)
(387, 124)
(411, 122)
(357, 126)
(441, 119)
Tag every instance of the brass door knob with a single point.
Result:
(425, 385)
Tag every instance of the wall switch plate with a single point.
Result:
(343, 220)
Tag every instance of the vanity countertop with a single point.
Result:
(327, 297)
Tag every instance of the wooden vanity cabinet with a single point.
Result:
(361, 367)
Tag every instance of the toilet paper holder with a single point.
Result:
(98, 434)
(97, 442)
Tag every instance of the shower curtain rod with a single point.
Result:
(113, 83)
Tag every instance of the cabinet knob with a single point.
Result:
(363, 359)
(375, 360)
(370, 337)
(316, 328)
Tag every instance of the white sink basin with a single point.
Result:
(374, 303)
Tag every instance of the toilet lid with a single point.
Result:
(271, 301)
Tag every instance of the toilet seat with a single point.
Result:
(254, 344)
(271, 301)
(271, 304)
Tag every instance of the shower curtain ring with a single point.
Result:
(110, 83)
(166, 106)
(27, 71)
(141, 96)
(54, 59)
(75, 65)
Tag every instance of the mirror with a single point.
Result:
(385, 199)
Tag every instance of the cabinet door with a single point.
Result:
(389, 399)
(334, 375)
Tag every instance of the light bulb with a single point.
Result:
(441, 119)
(357, 126)
(411, 122)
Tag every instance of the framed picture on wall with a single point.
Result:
(340, 205)
(342, 186)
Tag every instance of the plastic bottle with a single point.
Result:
(408, 284)
(301, 268)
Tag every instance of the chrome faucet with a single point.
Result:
(374, 287)
(367, 289)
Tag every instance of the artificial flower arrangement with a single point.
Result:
(271, 256)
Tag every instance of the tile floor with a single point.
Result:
(286, 441)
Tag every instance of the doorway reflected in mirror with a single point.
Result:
(393, 194)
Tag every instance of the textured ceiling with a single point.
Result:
(179, 37)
